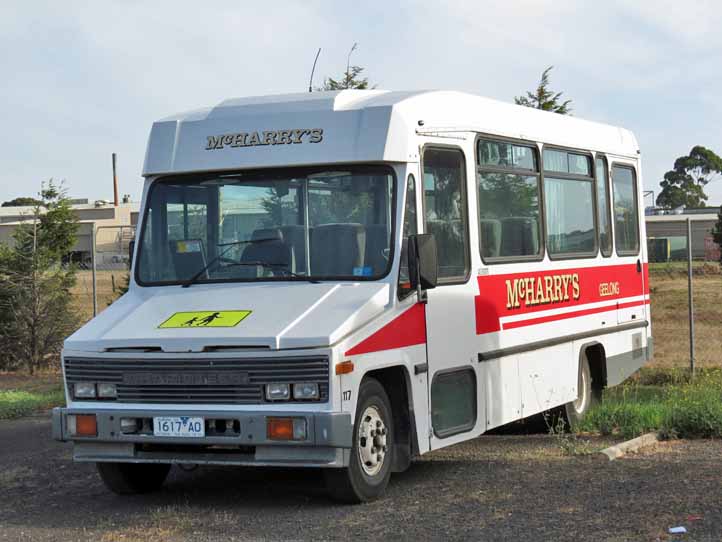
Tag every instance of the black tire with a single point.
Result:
(587, 396)
(132, 478)
(354, 484)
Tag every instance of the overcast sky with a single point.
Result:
(85, 79)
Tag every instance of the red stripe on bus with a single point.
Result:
(574, 314)
(568, 288)
(407, 329)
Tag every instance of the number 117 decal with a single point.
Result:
(347, 395)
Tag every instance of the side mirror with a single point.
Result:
(131, 249)
(423, 262)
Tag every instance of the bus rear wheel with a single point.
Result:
(132, 478)
(369, 470)
(587, 396)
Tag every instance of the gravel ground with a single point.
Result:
(501, 487)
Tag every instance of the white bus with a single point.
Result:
(347, 280)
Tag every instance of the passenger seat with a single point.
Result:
(377, 245)
(519, 236)
(338, 250)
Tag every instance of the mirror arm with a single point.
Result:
(421, 296)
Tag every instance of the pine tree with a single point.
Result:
(545, 99)
(350, 79)
(36, 312)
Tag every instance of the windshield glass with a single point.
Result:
(332, 223)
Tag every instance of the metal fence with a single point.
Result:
(686, 301)
(686, 293)
(106, 276)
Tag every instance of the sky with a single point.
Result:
(82, 80)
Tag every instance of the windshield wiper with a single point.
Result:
(195, 277)
(271, 265)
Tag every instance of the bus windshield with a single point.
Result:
(300, 224)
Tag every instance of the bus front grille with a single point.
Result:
(197, 381)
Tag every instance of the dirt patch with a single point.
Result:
(14, 477)
(505, 487)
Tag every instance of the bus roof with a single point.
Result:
(357, 126)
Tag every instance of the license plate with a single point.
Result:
(179, 426)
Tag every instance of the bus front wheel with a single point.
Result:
(367, 475)
(131, 478)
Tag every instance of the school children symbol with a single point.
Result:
(195, 319)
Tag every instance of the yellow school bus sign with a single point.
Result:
(205, 319)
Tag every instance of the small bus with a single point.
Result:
(348, 280)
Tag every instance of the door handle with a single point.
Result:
(421, 368)
(639, 266)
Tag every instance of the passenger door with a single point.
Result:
(631, 306)
(450, 325)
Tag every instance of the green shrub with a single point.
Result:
(674, 406)
(629, 419)
(15, 403)
(694, 410)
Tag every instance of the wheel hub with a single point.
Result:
(372, 433)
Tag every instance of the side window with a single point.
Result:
(626, 219)
(445, 211)
(453, 402)
(409, 229)
(603, 220)
(508, 185)
(569, 204)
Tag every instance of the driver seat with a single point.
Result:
(273, 250)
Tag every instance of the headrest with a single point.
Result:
(351, 226)
(271, 234)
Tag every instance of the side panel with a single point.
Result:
(546, 378)
(503, 392)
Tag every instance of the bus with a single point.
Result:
(348, 280)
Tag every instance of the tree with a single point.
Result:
(22, 202)
(35, 304)
(544, 98)
(350, 79)
(684, 185)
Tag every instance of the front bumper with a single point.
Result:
(327, 444)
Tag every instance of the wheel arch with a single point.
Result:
(597, 358)
(396, 381)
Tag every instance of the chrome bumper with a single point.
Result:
(327, 444)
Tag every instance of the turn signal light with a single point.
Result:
(83, 425)
(344, 367)
(286, 429)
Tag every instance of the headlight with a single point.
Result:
(278, 392)
(304, 391)
(107, 391)
(84, 390)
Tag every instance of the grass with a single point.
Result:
(679, 407)
(680, 268)
(16, 403)
(21, 395)
(670, 327)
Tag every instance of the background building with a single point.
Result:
(111, 242)
(667, 234)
